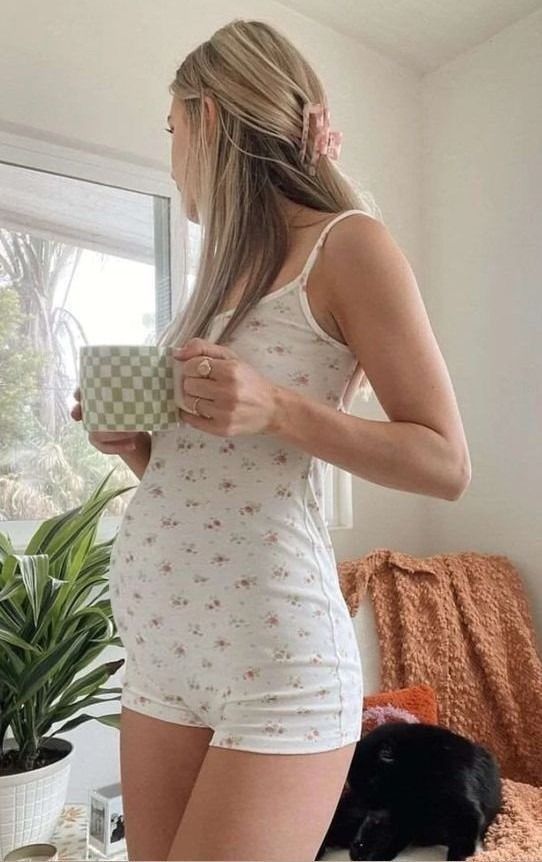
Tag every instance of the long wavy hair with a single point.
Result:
(259, 82)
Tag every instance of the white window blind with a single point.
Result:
(88, 254)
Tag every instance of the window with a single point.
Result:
(338, 499)
(87, 255)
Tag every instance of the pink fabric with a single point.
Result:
(326, 142)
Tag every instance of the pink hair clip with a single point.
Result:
(326, 142)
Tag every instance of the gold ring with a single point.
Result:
(205, 368)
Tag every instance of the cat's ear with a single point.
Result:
(386, 753)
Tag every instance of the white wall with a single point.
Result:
(482, 269)
(95, 74)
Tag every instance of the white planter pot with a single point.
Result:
(31, 802)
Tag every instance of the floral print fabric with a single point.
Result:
(223, 578)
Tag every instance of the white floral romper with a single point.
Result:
(224, 582)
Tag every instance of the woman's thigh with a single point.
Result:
(270, 807)
(160, 761)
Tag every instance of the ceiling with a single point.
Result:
(421, 34)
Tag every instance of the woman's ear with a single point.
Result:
(210, 115)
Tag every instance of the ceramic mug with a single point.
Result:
(127, 387)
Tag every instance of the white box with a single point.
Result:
(106, 822)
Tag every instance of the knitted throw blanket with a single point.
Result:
(461, 624)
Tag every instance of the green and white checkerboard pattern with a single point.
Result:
(127, 387)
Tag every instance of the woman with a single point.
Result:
(240, 648)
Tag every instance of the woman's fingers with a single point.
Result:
(76, 412)
(114, 436)
(114, 448)
(111, 442)
(108, 442)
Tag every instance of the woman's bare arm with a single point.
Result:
(375, 300)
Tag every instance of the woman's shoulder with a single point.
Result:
(350, 239)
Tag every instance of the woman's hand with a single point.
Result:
(234, 398)
(110, 442)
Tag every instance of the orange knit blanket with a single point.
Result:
(461, 624)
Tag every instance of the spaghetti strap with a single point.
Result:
(320, 241)
(358, 381)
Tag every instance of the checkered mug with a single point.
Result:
(127, 387)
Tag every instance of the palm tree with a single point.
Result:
(35, 268)
(46, 463)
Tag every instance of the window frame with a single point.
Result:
(137, 175)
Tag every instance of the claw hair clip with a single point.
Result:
(326, 142)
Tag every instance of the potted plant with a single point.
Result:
(55, 619)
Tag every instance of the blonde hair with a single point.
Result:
(259, 82)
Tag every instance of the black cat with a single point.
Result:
(415, 784)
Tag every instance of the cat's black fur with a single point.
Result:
(417, 784)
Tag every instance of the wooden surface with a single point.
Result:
(71, 836)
